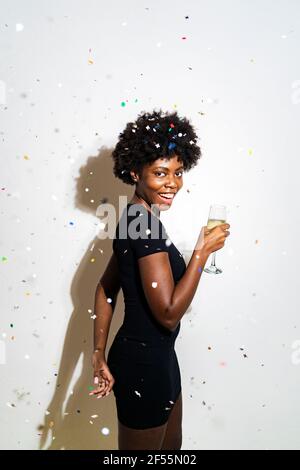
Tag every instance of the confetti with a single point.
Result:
(154, 284)
(137, 393)
(105, 431)
(168, 242)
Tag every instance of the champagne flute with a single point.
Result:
(217, 216)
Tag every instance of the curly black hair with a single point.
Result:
(154, 135)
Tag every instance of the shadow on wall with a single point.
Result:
(69, 426)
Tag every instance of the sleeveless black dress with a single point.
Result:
(142, 357)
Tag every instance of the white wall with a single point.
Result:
(240, 66)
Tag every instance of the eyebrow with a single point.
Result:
(166, 168)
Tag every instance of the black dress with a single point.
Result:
(142, 357)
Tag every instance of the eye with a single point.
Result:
(162, 172)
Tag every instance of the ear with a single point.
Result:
(134, 176)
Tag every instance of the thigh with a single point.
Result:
(147, 383)
(173, 435)
(141, 439)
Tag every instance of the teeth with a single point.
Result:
(168, 196)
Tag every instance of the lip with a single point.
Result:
(165, 200)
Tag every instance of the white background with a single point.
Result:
(66, 67)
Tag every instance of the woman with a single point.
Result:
(142, 367)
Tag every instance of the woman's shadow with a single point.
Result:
(70, 418)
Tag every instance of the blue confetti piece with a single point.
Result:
(171, 145)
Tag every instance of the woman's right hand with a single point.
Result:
(103, 379)
(213, 239)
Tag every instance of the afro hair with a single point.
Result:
(152, 136)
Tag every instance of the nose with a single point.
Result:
(171, 183)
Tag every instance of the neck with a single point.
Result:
(155, 210)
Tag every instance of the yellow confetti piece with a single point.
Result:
(250, 152)
(90, 61)
(92, 260)
(26, 157)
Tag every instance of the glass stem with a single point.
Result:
(213, 259)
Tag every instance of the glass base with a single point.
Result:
(213, 270)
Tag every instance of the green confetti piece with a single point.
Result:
(4, 258)
(123, 104)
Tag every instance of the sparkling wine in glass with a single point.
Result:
(217, 216)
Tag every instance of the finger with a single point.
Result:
(111, 384)
(106, 388)
(99, 388)
(96, 377)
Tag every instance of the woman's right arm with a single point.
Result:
(169, 302)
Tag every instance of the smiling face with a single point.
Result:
(159, 182)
